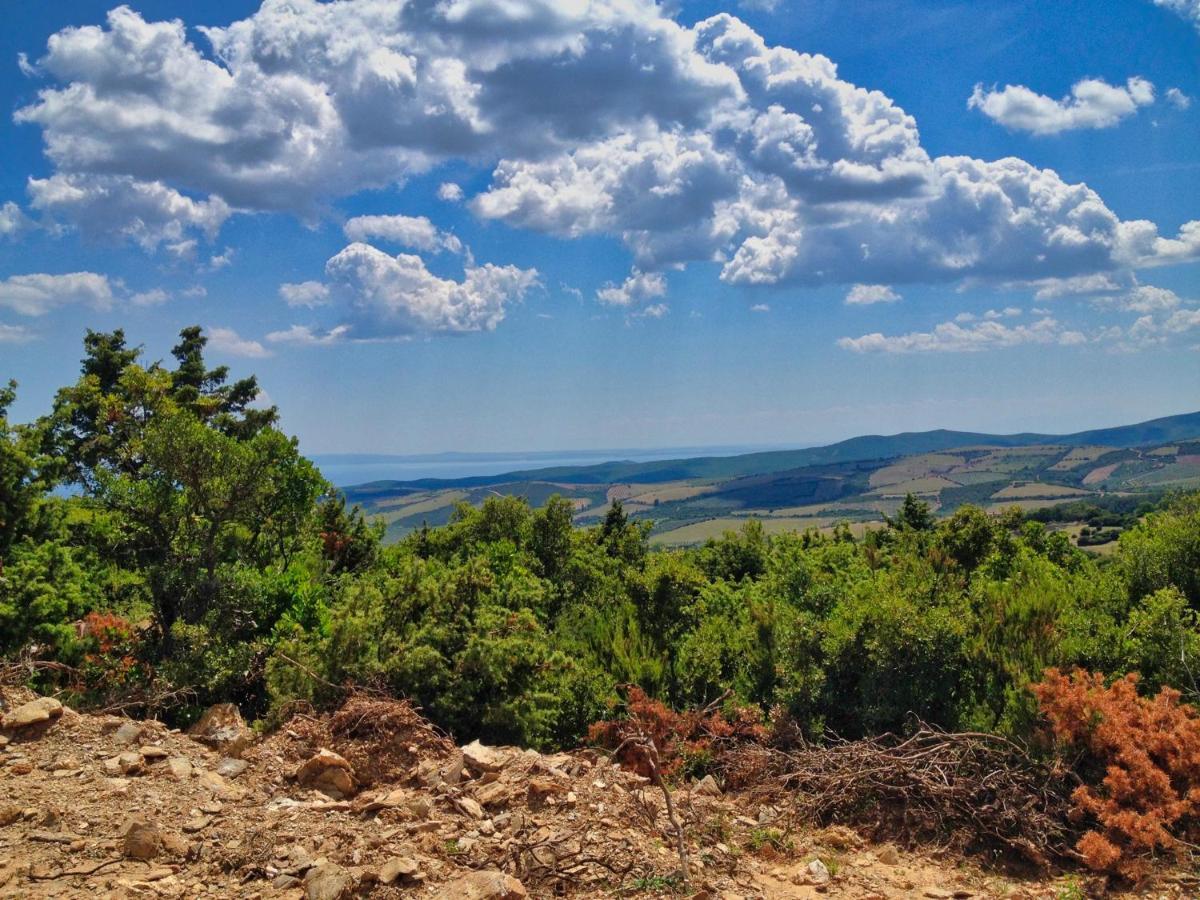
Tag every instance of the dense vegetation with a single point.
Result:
(163, 542)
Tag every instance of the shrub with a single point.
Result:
(1139, 762)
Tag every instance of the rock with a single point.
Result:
(128, 733)
(140, 838)
(180, 766)
(470, 807)
(219, 787)
(232, 768)
(487, 884)
(707, 787)
(131, 762)
(542, 788)
(481, 758)
(197, 824)
(327, 882)
(889, 856)
(9, 814)
(398, 868)
(175, 845)
(222, 728)
(818, 873)
(284, 882)
(494, 794)
(34, 712)
(153, 753)
(329, 773)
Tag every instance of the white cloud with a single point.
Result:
(149, 213)
(154, 297)
(768, 6)
(416, 232)
(305, 293)
(38, 294)
(1178, 98)
(14, 334)
(450, 192)
(760, 308)
(862, 294)
(653, 311)
(391, 296)
(219, 261)
(1145, 298)
(229, 342)
(13, 222)
(637, 288)
(1093, 103)
(1009, 312)
(952, 337)
(194, 292)
(1187, 9)
(686, 143)
(306, 336)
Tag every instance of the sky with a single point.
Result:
(497, 225)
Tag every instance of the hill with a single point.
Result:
(856, 481)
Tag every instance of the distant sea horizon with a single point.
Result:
(348, 469)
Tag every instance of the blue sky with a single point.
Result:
(482, 225)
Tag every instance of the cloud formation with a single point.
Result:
(953, 337)
(1093, 103)
(389, 296)
(865, 294)
(305, 294)
(698, 143)
(1186, 9)
(38, 294)
(416, 232)
(228, 342)
(14, 334)
(639, 287)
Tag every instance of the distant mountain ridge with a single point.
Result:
(867, 447)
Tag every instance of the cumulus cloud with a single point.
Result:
(1178, 98)
(863, 294)
(1093, 103)
(13, 222)
(416, 232)
(653, 311)
(228, 342)
(1145, 298)
(390, 296)
(760, 308)
(149, 213)
(305, 293)
(953, 337)
(1187, 9)
(686, 143)
(450, 192)
(637, 288)
(38, 294)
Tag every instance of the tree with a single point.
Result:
(914, 515)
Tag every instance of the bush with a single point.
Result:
(1139, 759)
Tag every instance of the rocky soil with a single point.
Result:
(372, 801)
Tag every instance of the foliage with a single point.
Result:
(1139, 761)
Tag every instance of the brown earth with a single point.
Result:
(372, 801)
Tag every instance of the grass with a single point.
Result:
(654, 884)
(760, 839)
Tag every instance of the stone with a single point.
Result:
(469, 807)
(487, 884)
(9, 814)
(889, 856)
(284, 882)
(34, 712)
(818, 872)
(153, 753)
(180, 766)
(222, 728)
(481, 758)
(175, 844)
(398, 868)
(140, 838)
(494, 794)
(232, 768)
(707, 787)
(541, 789)
(128, 733)
(131, 762)
(327, 882)
(329, 773)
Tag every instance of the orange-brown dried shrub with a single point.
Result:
(1139, 758)
(683, 740)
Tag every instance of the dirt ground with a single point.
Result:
(102, 806)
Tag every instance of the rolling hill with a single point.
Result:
(856, 481)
